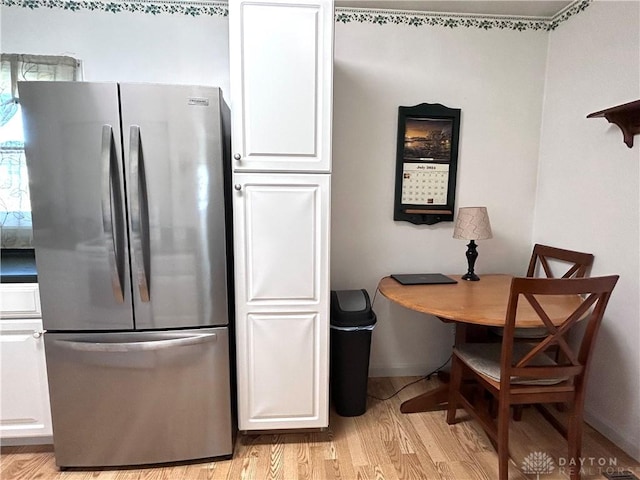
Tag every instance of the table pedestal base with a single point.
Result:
(433, 400)
(430, 401)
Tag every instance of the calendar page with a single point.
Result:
(424, 184)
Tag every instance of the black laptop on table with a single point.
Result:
(422, 278)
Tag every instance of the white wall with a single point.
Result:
(127, 47)
(496, 78)
(588, 193)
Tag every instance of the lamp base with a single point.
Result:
(471, 277)
(471, 254)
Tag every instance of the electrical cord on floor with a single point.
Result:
(425, 377)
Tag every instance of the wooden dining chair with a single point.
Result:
(516, 373)
(548, 258)
(553, 262)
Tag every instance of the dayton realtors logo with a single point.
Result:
(538, 463)
(541, 463)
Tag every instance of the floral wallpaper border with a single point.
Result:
(452, 20)
(342, 15)
(153, 7)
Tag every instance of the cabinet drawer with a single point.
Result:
(19, 300)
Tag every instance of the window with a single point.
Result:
(15, 206)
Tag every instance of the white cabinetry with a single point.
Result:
(24, 403)
(281, 103)
(281, 65)
(282, 268)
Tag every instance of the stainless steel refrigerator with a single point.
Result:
(128, 198)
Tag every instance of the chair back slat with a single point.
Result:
(579, 262)
(555, 335)
(593, 295)
(577, 270)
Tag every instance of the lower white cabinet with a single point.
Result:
(281, 228)
(24, 402)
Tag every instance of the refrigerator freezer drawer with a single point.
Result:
(139, 398)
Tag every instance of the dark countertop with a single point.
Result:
(18, 265)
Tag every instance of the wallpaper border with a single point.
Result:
(455, 20)
(153, 7)
(342, 15)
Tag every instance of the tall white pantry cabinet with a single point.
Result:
(281, 64)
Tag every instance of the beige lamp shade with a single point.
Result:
(472, 224)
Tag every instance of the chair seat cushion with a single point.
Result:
(485, 359)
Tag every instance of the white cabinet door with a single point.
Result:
(24, 403)
(281, 66)
(20, 300)
(281, 227)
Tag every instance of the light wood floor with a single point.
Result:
(383, 444)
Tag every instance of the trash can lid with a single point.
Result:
(351, 308)
(352, 300)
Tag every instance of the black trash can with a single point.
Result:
(352, 322)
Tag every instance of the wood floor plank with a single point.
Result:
(261, 452)
(344, 455)
(382, 444)
(376, 472)
(405, 434)
(29, 463)
(303, 456)
(398, 443)
(289, 457)
(428, 437)
(354, 441)
(368, 428)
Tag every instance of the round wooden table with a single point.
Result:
(481, 303)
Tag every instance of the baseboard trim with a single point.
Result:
(613, 434)
(19, 441)
(399, 371)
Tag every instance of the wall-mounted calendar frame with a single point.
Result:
(426, 163)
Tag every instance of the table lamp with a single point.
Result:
(472, 224)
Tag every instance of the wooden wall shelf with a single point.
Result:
(626, 116)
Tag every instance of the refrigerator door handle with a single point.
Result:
(137, 176)
(107, 212)
(147, 345)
